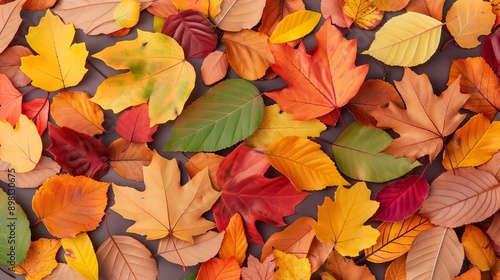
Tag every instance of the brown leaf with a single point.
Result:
(318, 253)
(10, 60)
(64, 271)
(275, 11)
(335, 10)
(259, 271)
(433, 8)
(10, 20)
(45, 168)
(214, 67)
(494, 230)
(344, 269)
(128, 158)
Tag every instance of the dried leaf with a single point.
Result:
(236, 15)
(344, 269)
(214, 67)
(10, 101)
(217, 269)
(133, 124)
(128, 158)
(258, 271)
(79, 254)
(10, 20)
(432, 8)
(235, 241)
(364, 13)
(478, 248)
(275, 11)
(45, 168)
(10, 61)
(397, 269)
(40, 260)
(295, 26)
(288, 266)
(335, 11)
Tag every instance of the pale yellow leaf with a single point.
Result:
(288, 266)
(236, 15)
(295, 26)
(478, 248)
(126, 14)
(409, 39)
(80, 255)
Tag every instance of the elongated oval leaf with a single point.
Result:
(295, 26)
(435, 254)
(358, 153)
(235, 241)
(304, 163)
(406, 40)
(478, 248)
(227, 113)
(214, 67)
(45, 168)
(239, 14)
(79, 254)
(463, 196)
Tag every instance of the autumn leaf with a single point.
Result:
(123, 257)
(294, 26)
(40, 260)
(467, 20)
(432, 8)
(396, 269)
(248, 53)
(426, 120)
(480, 82)
(20, 146)
(126, 13)
(390, 6)
(209, 8)
(133, 124)
(399, 199)
(245, 190)
(37, 110)
(79, 254)
(342, 268)
(73, 109)
(258, 271)
(318, 253)
(473, 144)
(185, 253)
(64, 271)
(396, 238)
(346, 229)
(10, 101)
(10, 61)
(38, 5)
(335, 10)
(162, 179)
(199, 161)
(128, 158)
(359, 153)
(219, 269)
(435, 253)
(78, 153)
(162, 8)
(22, 237)
(304, 163)
(472, 274)
(288, 266)
(10, 20)
(236, 15)
(68, 205)
(490, 51)
(494, 229)
(364, 13)
(214, 67)
(478, 248)
(235, 241)
(226, 114)
(463, 196)
(334, 58)
(275, 11)
(420, 31)
(159, 73)
(45, 168)
(52, 40)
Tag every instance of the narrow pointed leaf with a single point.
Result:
(478, 248)
(295, 26)
(235, 241)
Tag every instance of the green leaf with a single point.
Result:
(226, 114)
(358, 154)
(191, 276)
(15, 233)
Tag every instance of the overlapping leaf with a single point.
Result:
(79, 254)
(275, 11)
(235, 241)
(258, 271)
(126, 13)
(128, 159)
(10, 101)
(64, 271)
(199, 161)
(214, 67)
(289, 266)
(432, 8)
(478, 248)
(10, 20)
(236, 15)
(209, 8)
(342, 268)
(472, 274)
(219, 269)
(40, 260)
(490, 51)
(133, 124)
(10, 61)
(45, 168)
(397, 269)
(37, 110)
(494, 229)
(390, 6)
(364, 13)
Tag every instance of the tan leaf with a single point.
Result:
(236, 15)
(432, 8)
(275, 11)
(494, 230)
(478, 248)
(45, 168)
(64, 271)
(318, 253)
(435, 254)
(10, 60)
(463, 196)
(344, 269)
(364, 13)
(205, 247)
(248, 53)
(235, 241)
(128, 158)
(397, 269)
(214, 67)
(10, 20)
(390, 5)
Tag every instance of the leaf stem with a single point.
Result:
(36, 223)
(447, 43)
(177, 251)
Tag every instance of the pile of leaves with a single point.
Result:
(251, 155)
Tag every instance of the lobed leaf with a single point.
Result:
(335, 11)
(40, 259)
(258, 271)
(289, 266)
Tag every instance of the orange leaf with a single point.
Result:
(80, 255)
(38, 5)
(344, 269)
(364, 13)
(248, 53)
(217, 269)
(214, 67)
(75, 110)
(478, 248)
(162, 8)
(275, 11)
(64, 271)
(40, 260)
(335, 11)
(69, 205)
(10, 61)
(128, 158)
(10, 20)
(433, 8)
(10, 101)
(258, 271)
(390, 5)
(480, 82)
(472, 274)
(397, 269)
(199, 161)
(235, 241)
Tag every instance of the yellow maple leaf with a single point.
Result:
(80, 255)
(40, 260)
(20, 146)
(126, 14)
(59, 63)
(276, 125)
(341, 222)
(289, 266)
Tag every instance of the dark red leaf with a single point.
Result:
(193, 31)
(245, 190)
(133, 125)
(402, 198)
(491, 51)
(37, 110)
(78, 153)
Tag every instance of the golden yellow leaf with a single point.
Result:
(74, 109)
(209, 8)
(396, 238)
(199, 161)
(276, 125)
(20, 146)
(40, 260)
(467, 20)
(165, 208)
(304, 163)
(59, 64)
(80, 255)
(295, 26)
(341, 222)
(364, 13)
(473, 144)
(128, 158)
(126, 14)
(341, 268)
(397, 269)
(409, 39)
(472, 274)
(288, 266)
(478, 248)
(235, 242)
(390, 5)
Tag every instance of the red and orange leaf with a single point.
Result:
(133, 124)
(472, 274)
(433, 8)
(235, 241)
(334, 9)
(40, 260)
(199, 161)
(258, 271)
(345, 269)
(275, 11)
(397, 269)
(10, 61)
(364, 13)
(478, 248)
(37, 110)
(219, 269)
(214, 67)
(128, 158)
(68, 205)
(10, 101)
